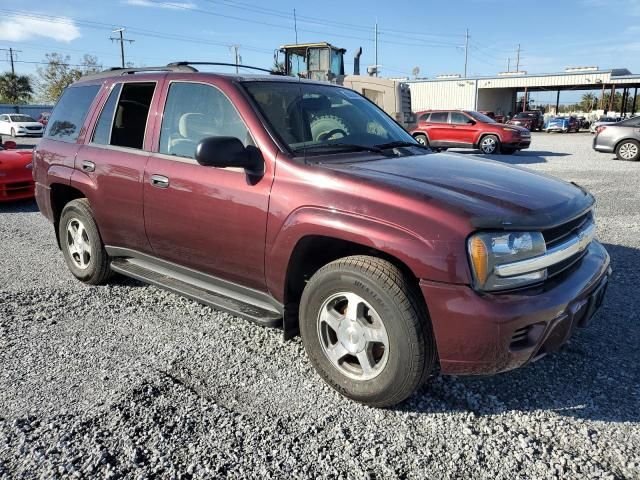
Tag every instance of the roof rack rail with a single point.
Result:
(128, 71)
(186, 64)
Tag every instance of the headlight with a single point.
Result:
(490, 249)
(512, 129)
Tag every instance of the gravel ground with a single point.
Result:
(130, 381)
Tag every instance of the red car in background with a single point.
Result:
(442, 129)
(532, 120)
(16, 181)
(44, 118)
(498, 118)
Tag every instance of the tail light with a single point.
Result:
(600, 129)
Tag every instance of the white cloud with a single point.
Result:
(16, 29)
(165, 4)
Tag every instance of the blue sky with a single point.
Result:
(425, 34)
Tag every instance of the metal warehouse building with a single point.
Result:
(501, 92)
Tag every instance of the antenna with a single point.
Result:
(120, 39)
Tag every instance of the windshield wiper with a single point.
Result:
(400, 143)
(347, 147)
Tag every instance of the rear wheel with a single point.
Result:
(81, 243)
(628, 150)
(490, 144)
(366, 330)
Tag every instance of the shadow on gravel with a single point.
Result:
(19, 206)
(595, 376)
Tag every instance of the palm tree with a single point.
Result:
(588, 101)
(15, 88)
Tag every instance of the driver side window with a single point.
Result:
(194, 111)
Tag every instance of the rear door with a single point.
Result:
(212, 220)
(113, 160)
(438, 129)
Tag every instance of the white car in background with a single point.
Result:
(20, 125)
(602, 121)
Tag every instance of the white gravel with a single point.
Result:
(129, 381)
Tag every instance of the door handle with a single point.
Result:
(88, 166)
(159, 181)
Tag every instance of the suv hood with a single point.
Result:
(491, 194)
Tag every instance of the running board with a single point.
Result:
(217, 294)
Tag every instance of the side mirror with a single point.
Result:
(10, 145)
(471, 122)
(223, 152)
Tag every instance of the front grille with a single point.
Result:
(33, 128)
(556, 235)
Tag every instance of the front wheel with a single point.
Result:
(81, 243)
(628, 150)
(490, 144)
(422, 139)
(366, 330)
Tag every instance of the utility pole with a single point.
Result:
(518, 59)
(121, 39)
(376, 37)
(236, 56)
(466, 51)
(12, 57)
(508, 64)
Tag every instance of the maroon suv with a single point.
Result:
(442, 129)
(533, 120)
(301, 204)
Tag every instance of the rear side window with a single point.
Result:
(68, 116)
(439, 117)
(130, 118)
(102, 134)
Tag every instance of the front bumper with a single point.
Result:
(491, 333)
(519, 144)
(16, 187)
(30, 134)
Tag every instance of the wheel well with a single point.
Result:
(486, 135)
(60, 196)
(624, 140)
(314, 252)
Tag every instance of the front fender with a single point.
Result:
(432, 259)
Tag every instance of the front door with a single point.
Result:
(209, 219)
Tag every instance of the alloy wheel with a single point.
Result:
(628, 150)
(488, 145)
(353, 336)
(78, 243)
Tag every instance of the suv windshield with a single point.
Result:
(481, 117)
(526, 115)
(321, 119)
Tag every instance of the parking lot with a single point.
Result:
(128, 380)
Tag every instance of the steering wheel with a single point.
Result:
(331, 133)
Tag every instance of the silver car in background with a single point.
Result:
(623, 138)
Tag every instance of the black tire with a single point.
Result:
(13, 133)
(625, 150)
(411, 355)
(487, 140)
(422, 139)
(96, 271)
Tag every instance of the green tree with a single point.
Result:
(15, 88)
(59, 73)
